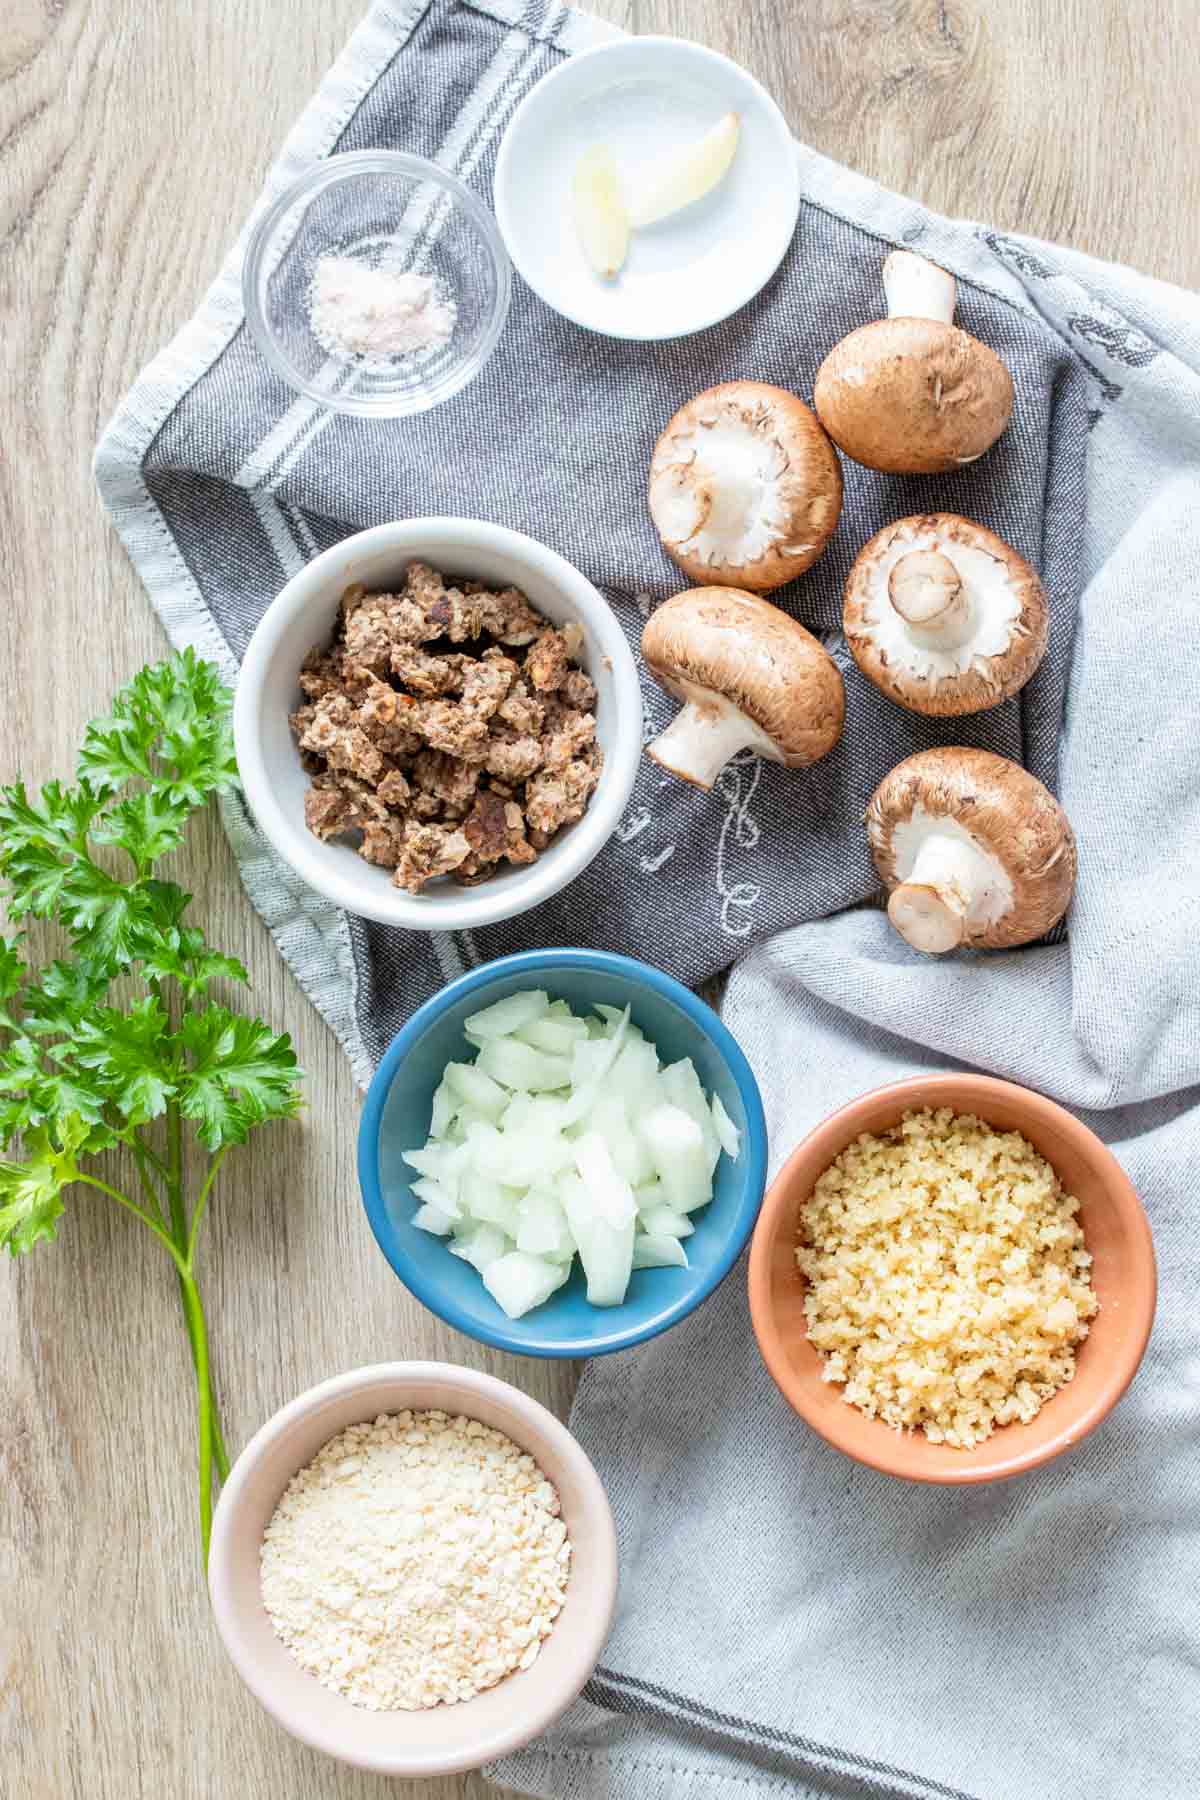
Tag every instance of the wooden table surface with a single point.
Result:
(133, 140)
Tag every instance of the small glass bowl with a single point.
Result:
(393, 212)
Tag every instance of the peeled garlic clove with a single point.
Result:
(691, 175)
(600, 216)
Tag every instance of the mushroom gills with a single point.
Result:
(975, 626)
(719, 498)
(948, 882)
(702, 738)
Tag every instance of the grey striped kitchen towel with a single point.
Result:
(223, 484)
(790, 1623)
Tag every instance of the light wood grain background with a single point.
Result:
(133, 139)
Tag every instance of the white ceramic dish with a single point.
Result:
(444, 1739)
(304, 615)
(647, 98)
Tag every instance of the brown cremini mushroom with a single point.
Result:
(750, 678)
(973, 850)
(745, 488)
(943, 615)
(912, 394)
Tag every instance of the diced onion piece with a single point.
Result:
(679, 1154)
(664, 1221)
(658, 1253)
(630, 1157)
(542, 1228)
(480, 1247)
(508, 1015)
(444, 1104)
(609, 1193)
(518, 1282)
(681, 1084)
(434, 1220)
(517, 1065)
(726, 1130)
(557, 1037)
(605, 1251)
(477, 1090)
(435, 1194)
(489, 1203)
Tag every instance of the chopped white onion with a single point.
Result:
(565, 1136)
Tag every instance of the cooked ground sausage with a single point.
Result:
(446, 760)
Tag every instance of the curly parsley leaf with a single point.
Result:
(169, 728)
(129, 1055)
(147, 825)
(43, 844)
(241, 1073)
(12, 976)
(30, 1191)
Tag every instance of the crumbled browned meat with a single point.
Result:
(321, 673)
(429, 850)
(521, 710)
(507, 615)
(446, 778)
(579, 690)
(496, 827)
(560, 796)
(450, 727)
(394, 790)
(422, 673)
(512, 758)
(385, 717)
(383, 843)
(445, 761)
(568, 735)
(328, 812)
(485, 685)
(546, 663)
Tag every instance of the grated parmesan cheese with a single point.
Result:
(948, 1282)
(415, 1561)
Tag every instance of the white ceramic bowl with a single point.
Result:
(647, 98)
(445, 1739)
(304, 615)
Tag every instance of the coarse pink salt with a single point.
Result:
(359, 311)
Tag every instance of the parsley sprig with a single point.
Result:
(85, 1069)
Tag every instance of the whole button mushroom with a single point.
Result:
(750, 678)
(944, 616)
(745, 487)
(912, 394)
(972, 849)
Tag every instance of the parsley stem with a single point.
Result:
(175, 1173)
(138, 1213)
(199, 1336)
(148, 1188)
(202, 1202)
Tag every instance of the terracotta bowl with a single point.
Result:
(444, 1739)
(1114, 1226)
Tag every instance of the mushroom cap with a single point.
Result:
(913, 396)
(1008, 618)
(717, 642)
(1008, 815)
(745, 488)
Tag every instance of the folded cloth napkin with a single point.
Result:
(790, 1622)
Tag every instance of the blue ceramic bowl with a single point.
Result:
(396, 1118)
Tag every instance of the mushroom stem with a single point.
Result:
(917, 289)
(926, 591)
(700, 740)
(930, 909)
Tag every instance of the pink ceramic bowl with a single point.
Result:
(1115, 1229)
(445, 1739)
